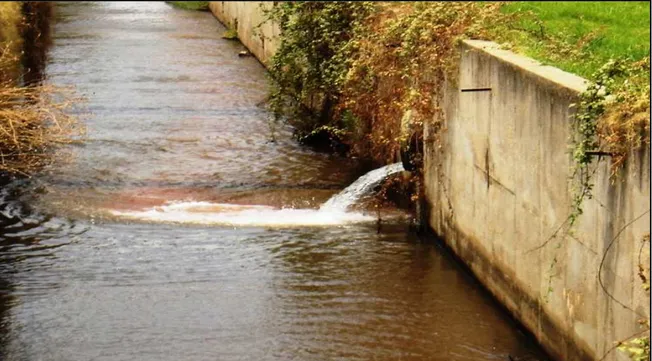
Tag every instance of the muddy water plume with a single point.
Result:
(175, 121)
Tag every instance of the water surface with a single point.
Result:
(176, 119)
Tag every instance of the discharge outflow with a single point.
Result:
(332, 213)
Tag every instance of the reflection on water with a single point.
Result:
(37, 38)
(175, 127)
(171, 111)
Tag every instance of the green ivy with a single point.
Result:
(607, 85)
(591, 107)
(313, 57)
(638, 349)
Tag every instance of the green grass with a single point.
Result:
(230, 34)
(580, 37)
(190, 5)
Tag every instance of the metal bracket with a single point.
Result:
(600, 153)
(475, 90)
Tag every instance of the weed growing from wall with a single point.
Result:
(612, 118)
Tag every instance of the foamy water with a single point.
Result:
(362, 186)
(332, 213)
(240, 215)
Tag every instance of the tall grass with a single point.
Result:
(34, 120)
(32, 126)
(11, 42)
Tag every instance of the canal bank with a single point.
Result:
(175, 128)
(497, 185)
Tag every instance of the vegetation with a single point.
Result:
(33, 119)
(230, 34)
(361, 71)
(308, 69)
(11, 42)
(580, 37)
(190, 5)
(607, 43)
(397, 75)
(356, 69)
(32, 125)
(638, 349)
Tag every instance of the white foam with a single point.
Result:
(238, 215)
(362, 186)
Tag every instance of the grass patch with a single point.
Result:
(580, 37)
(372, 65)
(230, 34)
(190, 5)
(607, 43)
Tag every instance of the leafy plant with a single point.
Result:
(403, 59)
(637, 348)
(314, 54)
(230, 34)
(613, 118)
(358, 67)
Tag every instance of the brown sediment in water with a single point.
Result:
(140, 198)
(270, 287)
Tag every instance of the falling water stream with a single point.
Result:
(182, 230)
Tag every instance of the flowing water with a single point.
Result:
(188, 228)
(345, 199)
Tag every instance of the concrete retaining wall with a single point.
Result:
(497, 185)
(245, 17)
(498, 189)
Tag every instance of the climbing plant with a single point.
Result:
(405, 56)
(612, 118)
(354, 69)
(613, 114)
(360, 71)
(309, 65)
(638, 347)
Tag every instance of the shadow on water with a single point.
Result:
(20, 225)
(395, 292)
(175, 118)
(7, 299)
(37, 39)
(26, 236)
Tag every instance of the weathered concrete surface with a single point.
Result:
(246, 18)
(497, 184)
(497, 181)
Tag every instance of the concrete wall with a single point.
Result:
(499, 188)
(497, 185)
(245, 17)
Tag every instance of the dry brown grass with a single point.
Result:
(34, 121)
(11, 42)
(625, 126)
(33, 125)
(402, 63)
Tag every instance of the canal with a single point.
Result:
(163, 238)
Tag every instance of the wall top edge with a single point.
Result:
(554, 75)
